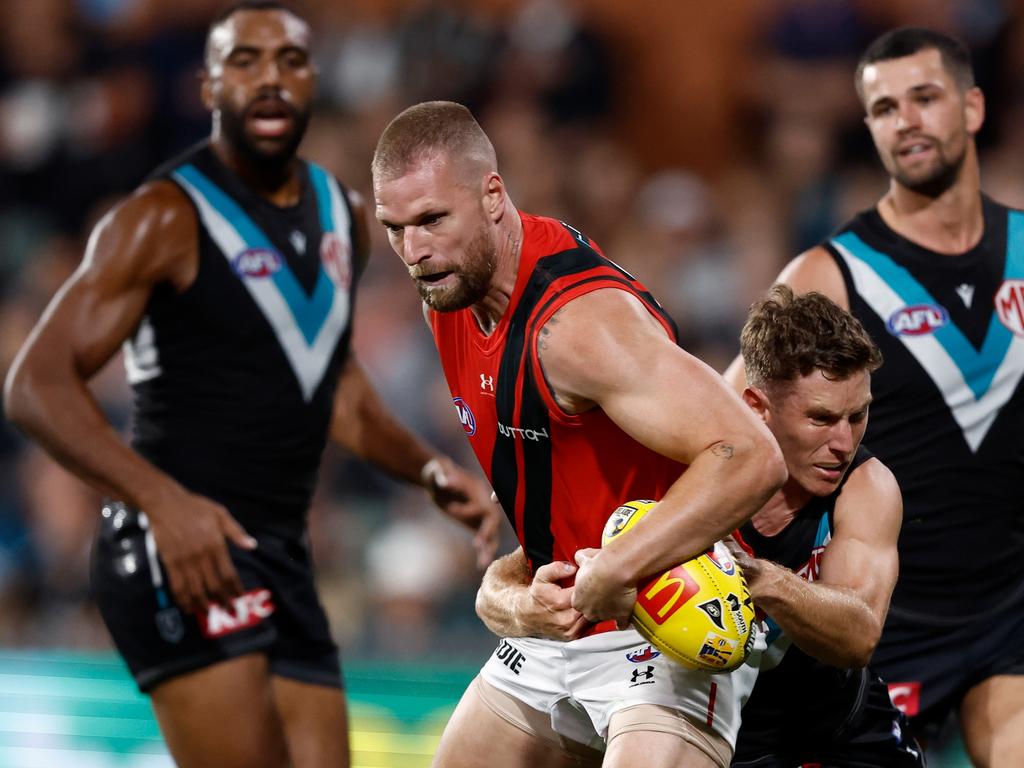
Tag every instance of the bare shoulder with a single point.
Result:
(816, 270)
(871, 495)
(361, 246)
(152, 235)
(596, 341)
(588, 324)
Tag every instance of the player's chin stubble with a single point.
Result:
(471, 282)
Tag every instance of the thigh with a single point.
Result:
(651, 736)
(315, 723)
(222, 716)
(992, 721)
(477, 736)
(614, 670)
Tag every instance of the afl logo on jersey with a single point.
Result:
(1010, 305)
(336, 256)
(257, 262)
(917, 320)
(466, 417)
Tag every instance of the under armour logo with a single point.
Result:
(642, 676)
(486, 382)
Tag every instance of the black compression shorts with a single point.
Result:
(279, 614)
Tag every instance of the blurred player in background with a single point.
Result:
(230, 279)
(825, 544)
(573, 393)
(935, 272)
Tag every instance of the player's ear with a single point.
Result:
(206, 89)
(974, 110)
(757, 400)
(494, 196)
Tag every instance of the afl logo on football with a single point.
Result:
(1010, 305)
(257, 262)
(917, 320)
(466, 417)
(336, 256)
(719, 555)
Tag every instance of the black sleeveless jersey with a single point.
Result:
(790, 682)
(234, 377)
(948, 410)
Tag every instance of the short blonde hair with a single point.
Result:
(431, 128)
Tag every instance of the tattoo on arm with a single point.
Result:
(545, 331)
(723, 450)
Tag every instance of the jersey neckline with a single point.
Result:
(890, 241)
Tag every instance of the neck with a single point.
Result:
(275, 182)
(952, 223)
(781, 508)
(490, 309)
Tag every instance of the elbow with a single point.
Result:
(764, 457)
(859, 647)
(774, 473)
(17, 399)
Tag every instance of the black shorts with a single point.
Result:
(873, 735)
(930, 669)
(279, 614)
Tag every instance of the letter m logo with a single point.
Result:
(667, 594)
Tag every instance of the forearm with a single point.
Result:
(830, 623)
(59, 413)
(363, 424)
(719, 491)
(504, 586)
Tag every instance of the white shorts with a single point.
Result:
(582, 683)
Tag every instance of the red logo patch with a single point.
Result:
(906, 697)
(1009, 303)
(246, 610)
(336, 256)
(663, 596)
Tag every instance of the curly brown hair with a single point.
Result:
(788, 336)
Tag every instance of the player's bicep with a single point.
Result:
(660, 395)
(862, 555)
(147, 239)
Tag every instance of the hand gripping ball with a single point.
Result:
(698, 613)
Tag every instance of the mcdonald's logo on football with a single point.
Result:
(668, 593)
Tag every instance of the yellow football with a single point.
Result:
(698, 613)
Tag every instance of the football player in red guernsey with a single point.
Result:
(571, 387)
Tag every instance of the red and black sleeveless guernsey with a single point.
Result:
(558, 476)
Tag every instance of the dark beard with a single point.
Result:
(473, 280)
(934, 185)
(270, 161)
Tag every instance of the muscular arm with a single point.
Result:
(839, 618)
(813, 270)
(148, 239)
(510, 604)
(605, 350)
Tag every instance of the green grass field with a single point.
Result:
(62, 710)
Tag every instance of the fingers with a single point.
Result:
(486, 540)
(233, 531)
(583, 555)
(554, 571)
(178, 583)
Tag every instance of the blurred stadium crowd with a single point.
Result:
(702, 144)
